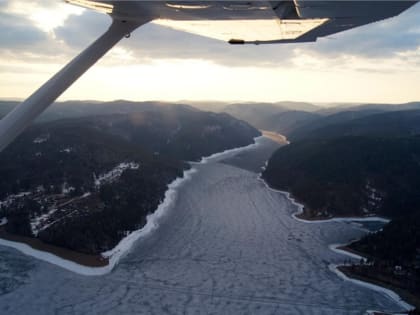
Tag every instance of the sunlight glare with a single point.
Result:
(46, 15)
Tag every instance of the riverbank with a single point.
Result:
(361, 272)
(276, 137)
(403, 300)
(373, 280)
(349, 273)
(357, 272)
(302, 216)
(299, 214)
(94, 265)
(403, 297)
(305, 215)
(8, 239)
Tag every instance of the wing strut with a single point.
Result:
(23, 114)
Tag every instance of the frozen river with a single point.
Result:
(228, 246)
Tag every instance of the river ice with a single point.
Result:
(228, 245)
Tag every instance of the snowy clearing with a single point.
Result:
(9, 199)
(115, 173)
(3, 221)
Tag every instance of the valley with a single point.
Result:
(357, 162)
(226, 244)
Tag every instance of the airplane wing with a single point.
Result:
(268, 22)
(101, 6)
(257, 22)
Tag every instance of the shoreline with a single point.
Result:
(300, 214)
(216, 156)
(104, 263)
(300, 207)
(391, 294)
(302, 218)
(276, 137)
(89, 260)
(340, 248)
(112, 256)
(406, 297)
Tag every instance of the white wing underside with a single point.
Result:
(257, 21)
(246, 30)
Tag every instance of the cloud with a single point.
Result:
(386, 39)
(380, 39)
(79, 31)
(4, 4)
(18, 33)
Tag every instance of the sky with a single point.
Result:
(377, 63)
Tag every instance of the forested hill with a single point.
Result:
(77, 109)
(298, 121)
(182, 134)
(286, 122)
(361, 123)
(350, 176)
(267, 116)
(84, 183)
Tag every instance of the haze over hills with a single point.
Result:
(378, 107)
(261, 115)
(299, 117)
(258, 114)
(254, 113)
(84, 183)
(360, 123)
(69, 109)
(288, 121)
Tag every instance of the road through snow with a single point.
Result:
(229, 245)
